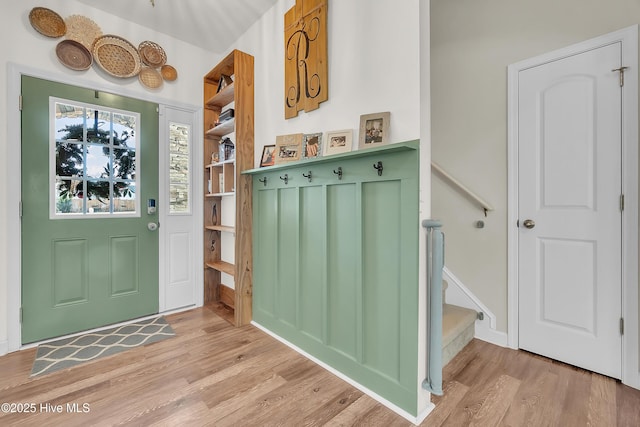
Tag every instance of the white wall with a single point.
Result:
(472, 43)
(23, 46)
(374, 66)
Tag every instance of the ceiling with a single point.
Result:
(210, 24)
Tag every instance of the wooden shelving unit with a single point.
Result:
(227, 190)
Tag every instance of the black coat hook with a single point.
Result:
(379, 167)
(263, 180)
(285, 178)
(308, 176)
(338, 172)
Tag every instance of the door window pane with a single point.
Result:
(124, 197)
(98, 161)
(69, 159)
(94, 159)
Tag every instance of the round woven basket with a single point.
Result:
(74, 55)
(150, 78)
(152, 54)
(47, 22)
(116, 56)
(169, 73)
(82, 29)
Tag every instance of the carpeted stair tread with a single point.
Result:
(454, 321)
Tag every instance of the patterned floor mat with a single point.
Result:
(69, 352)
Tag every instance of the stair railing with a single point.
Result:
(461, 187)
(435, 263)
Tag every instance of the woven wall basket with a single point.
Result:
(74, 55)
(116, 56)
(152, 54)
(82, 29)
(150, 78)
(47, 22)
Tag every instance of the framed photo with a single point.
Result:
(312, 145)
(268, 156)
(338, 141)
(374, 130)
(288, 148)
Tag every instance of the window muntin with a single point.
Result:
(94, 160)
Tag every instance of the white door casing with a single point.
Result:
(574, 274)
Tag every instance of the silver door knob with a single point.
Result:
(529, 223)
(152, 226)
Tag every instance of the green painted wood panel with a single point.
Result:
(353, 245)
(287, 255)
(70, 271)
(265, 229)
(311, 297)
(342, 285)
(381, 241)
(123, 266)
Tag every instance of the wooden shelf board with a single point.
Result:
(222, 129)
(222, 266)
(390, 148)
(230, 193)
(221, 98)
(220, 164)
(224, 228)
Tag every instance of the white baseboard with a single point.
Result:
(404, 414)
(4, 347)
(491, 336)
(458, 294)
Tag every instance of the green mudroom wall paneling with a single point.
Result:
(336, 264)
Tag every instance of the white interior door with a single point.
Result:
(569, 186)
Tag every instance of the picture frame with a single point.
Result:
(268, 156)
(374, 130)
(312, 145)
(288, 148)
(338, 141)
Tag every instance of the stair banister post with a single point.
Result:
(435, 263)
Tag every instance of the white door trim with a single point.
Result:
(14, 137)
(629, 41)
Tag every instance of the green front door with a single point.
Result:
(89, 168)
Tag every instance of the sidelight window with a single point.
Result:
(179, 168)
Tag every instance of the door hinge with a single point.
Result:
(21, 311)
(621, 71)
(621, 326)
(621, 202)
(20, 102)
(20, 209)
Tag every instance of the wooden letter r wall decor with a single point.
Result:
(305, 63)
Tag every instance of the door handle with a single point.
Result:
(152, 226)
(529, 223)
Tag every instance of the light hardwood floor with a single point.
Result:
(214, 374)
